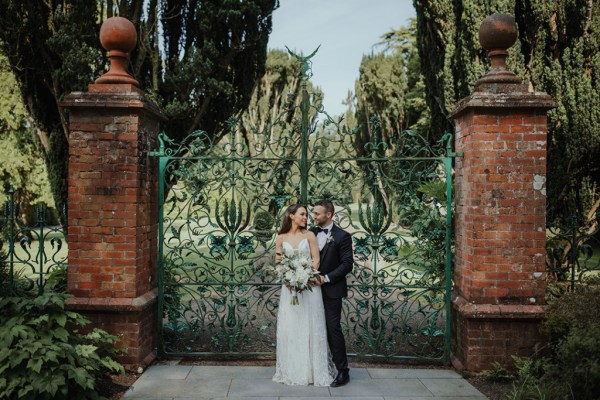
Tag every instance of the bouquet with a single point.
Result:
(296, 272)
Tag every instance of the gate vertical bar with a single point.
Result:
(448, 269)
(11, 239)
(304, 129)
(41, 220)
(162, 164)
(450, 154)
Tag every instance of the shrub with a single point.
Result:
(57, 279)
(172, 297)
(4, 278)
(498, 373)
(18, 285)
(42, 354)
(577, 363)
(572, 371)
(574, 309)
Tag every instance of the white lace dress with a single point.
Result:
(303, 355)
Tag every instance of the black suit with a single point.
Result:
(336, 262)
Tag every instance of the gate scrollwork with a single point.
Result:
(394, 197)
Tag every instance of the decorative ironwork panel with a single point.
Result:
(573, 251)
(221, 204)
(29, 254)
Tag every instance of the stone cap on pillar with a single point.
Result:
(119, 37)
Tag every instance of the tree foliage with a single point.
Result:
(22, 165)
(270, 125)
(556, 52)
(203, 70)
(273, 109)
(52, 48)
(390, 86)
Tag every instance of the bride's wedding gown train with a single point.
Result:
(303, 355)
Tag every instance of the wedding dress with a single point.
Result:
(303, 355)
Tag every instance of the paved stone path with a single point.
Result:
(186, 382)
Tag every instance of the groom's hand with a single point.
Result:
(321, 281)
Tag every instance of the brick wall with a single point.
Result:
(113, 213)
(499, 274)
(501, 206)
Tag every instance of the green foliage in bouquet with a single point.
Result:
(296, 272)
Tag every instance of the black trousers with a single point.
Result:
(335, 337)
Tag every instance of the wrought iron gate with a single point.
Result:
(220, 205)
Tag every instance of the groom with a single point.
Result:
(337, 259)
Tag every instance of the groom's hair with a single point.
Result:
(327, 205)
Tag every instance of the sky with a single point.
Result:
(345, 29)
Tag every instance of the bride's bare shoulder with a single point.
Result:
(309, 235)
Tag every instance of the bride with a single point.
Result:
(303, 355)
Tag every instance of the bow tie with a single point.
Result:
(317, 230)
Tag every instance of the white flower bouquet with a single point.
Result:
(296, 272)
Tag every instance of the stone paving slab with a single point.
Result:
(479, 397)
(359, 373)
(382, 387)
(151, 388)
(181, 382)
(334, 398)
(233, 398)
(385, 373)
(266, 387)
(220, 371)
(450, 387)
(166, 372)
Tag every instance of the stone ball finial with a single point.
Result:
(498, 31)
(497, 34)
(118, 33)
(119, 37)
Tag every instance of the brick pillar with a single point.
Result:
(499, 273)
(113, 216)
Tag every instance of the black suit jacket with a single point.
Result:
(337, 260)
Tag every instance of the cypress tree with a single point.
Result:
(214, 53)
(556, 52)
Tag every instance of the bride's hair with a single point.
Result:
(286, 222)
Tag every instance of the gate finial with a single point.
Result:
(305, 60)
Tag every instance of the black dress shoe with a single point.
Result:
(342, 378)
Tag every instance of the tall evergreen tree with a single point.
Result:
(270, 125)
(556, 52)
(214, 53)
(274, 105)
(390, 86)
(22, 165)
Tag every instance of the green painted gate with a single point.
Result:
(220, 204)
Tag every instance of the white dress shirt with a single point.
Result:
(322, 236)
(322, 241)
